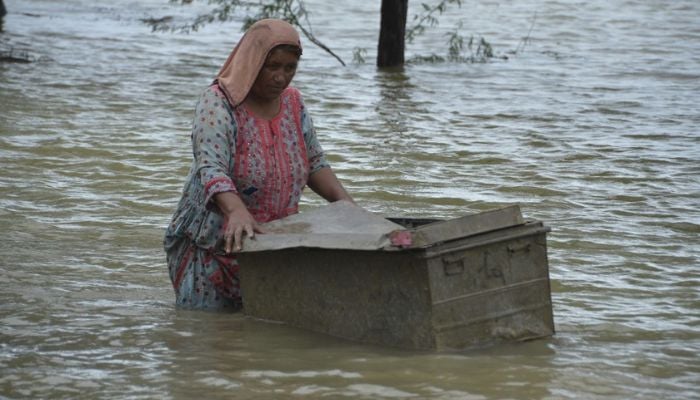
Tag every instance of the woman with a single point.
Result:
(254, 150)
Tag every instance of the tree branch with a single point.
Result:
(309, 35)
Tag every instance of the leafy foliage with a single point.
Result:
(475, 49)
(358, 55)
(428, 18)
(292, 11)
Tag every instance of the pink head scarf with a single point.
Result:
(245, 61)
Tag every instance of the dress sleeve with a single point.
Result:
(314, 151)
(213, 144)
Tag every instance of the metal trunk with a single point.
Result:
(458, 284)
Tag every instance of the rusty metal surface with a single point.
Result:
(339, 225)
(468, 225)
(464, 283)
(343, 225)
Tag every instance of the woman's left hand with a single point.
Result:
(326, 184)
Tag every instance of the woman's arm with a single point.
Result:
(326, 184)
(238, 221)
(212, 133)
(322, 179)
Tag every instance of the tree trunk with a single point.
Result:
(392, 33)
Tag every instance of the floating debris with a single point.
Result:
(10, 54)
(157, 23)
(13, 55)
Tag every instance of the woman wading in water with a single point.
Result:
(255, 149)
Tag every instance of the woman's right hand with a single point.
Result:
(238, 222)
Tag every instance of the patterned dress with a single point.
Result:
(265, 162)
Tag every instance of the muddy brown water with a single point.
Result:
(593, 129)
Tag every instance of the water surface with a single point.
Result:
(591, 128)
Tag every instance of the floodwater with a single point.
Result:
(591, 128)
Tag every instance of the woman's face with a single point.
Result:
(275, 75)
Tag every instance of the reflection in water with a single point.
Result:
(394, 107)
(264, 359)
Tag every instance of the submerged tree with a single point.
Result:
(3, 12)
(393, 32)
